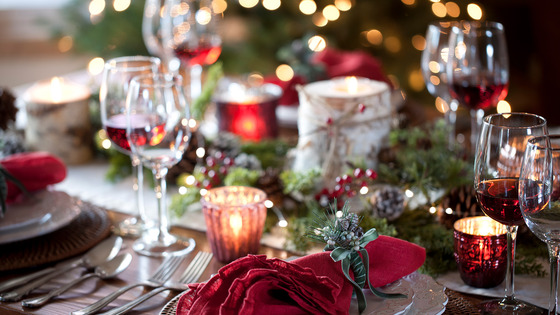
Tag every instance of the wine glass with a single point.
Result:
(152, 34)
(112, 96)
(497, 167)
(539, 198)
(158, 132)
(190, 32)
(478, 70)
(434, 64)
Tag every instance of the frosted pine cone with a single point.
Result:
(387, 202)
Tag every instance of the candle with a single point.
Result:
(341, 120)
(58, 120)
(480, 251)
(247, 110)
(234, 217)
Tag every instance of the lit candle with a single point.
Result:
(480, 251)
(248, 110)
(234, 217)
(341, 120)
(58, 120)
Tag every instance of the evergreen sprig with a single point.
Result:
(4, 177)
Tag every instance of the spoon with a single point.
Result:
(102, 252)
(105, 270)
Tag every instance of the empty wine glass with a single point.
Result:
(112, 96)
(434, 70)
(539, 197)
(478, 70)
(190, 32)
(158, 132)
(152, 34)
(497, 167)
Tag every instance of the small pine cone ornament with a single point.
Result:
(248, 161)
(459, 203)
(226, 143)
(270, 183)
(387, 202)
(188, 161)
(11, 143)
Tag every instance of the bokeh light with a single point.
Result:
(96, 65)
(317, 43)
(453, 9)
(439, 9)
(121, 5)
(393, 44)
(96, 7)
(374, 37)
(65, 43)
(331, 13)
(503, 107)
(418, 42)
(343, 5)
(319, 19)
(307, 7)
(474, 11)
(271, 5)
(284, 72)
(248, 3)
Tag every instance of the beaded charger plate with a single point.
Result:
(424, 296)
(90, 227)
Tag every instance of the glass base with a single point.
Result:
(160, 247)
(131, 227)
(502, 307)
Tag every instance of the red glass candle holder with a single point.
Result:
(235, 217)
(480, 251)
(247, 110)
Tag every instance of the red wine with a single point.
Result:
(498, 199)
(478, 96)
(116, 130)
(204, 54)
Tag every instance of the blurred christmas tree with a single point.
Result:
(259, 36)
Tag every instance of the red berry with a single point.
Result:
(223, 170)
(329, 121)
(346, 178)
(359, 172)
(204, 170)
(338, 180)
(371, 173)
(351, 193)
(361, 107)
(210, 161)
(228, 161)
(219, 155)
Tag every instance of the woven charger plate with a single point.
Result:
(88, 229)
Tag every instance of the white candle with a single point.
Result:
(346, 87)
(58, 120)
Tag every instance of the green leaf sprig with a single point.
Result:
(4, 177)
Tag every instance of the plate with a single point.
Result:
(41, 213)
(424, 296)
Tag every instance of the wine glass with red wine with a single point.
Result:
(117, 74)
(190, 32)
(158, 132)
(497, 166)
(478, 69)
(539, 196)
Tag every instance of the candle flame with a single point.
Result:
(56, 90)
(236, 223)
(351, 85)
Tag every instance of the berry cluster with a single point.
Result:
(347, 186)
(346, 233)
(215, 170)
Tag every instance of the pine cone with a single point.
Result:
(388, 202)
(227, 143)
(10, 143)
(8, 108)
(462, 202)
(270, 183)
(188, 161)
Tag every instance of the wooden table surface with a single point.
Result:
(142, 267)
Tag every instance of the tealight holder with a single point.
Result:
(235, 217)
(480, 251)
(247, 108)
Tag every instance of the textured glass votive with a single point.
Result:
(481, 251)
(234, 218)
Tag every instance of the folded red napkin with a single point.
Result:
(35, 170)
(289, 93)
(351, 63)
(312, 284)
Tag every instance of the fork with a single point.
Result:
(191, 274)
(162, 274)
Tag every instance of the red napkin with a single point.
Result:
(289, 93)
(35, 170)
(313, 284)
(351, 63)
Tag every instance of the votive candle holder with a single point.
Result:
(235, 217)
(480, 245)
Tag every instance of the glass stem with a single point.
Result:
(196, 82)
(451, 121)
(510, 272)
(160, 190)
(553, 248)
(138, 186)
(476, 121)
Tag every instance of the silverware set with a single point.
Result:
(103, 262)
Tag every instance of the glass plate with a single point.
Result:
(424, 296)
(41, 213)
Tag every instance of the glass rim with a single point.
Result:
(158, 79)
(262, 196)
(119, 62)
(487, 120)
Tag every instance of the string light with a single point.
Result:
(248, 3)
(374, 37)
(95, 66)
(317, 43)
(121, 5)
(307, 7)
(65, 43)
(284, 72)
(503, 107)
(343, 5)
(331, 13)
(453, 9)
(418, 42)
(271, 4)
(439, 9)
(474, 11)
